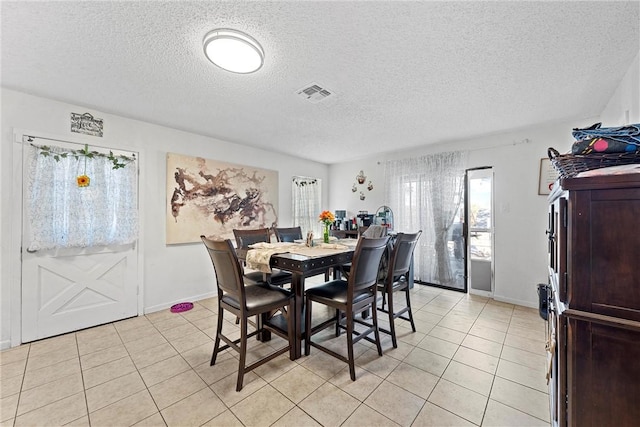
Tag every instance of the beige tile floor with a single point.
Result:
(473, 361)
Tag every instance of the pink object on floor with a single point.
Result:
(180, 307)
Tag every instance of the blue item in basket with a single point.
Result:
(602, 145)
(629, 134)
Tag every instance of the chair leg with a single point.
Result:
(352, 368)
(338, 319)
(216, 346)
(243, 352)
(291, 330)
(392, 326)
(376, 332)
(307, 328)
(413, 326)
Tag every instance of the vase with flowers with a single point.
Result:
(326, 218)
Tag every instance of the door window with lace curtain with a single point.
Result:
(79, 198)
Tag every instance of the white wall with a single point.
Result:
(343, 177)
(624, 106)
(171, 273)
(520, 213)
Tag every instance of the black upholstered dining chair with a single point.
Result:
(287, 234)
(372, 232)
(245, 302)
(245, 238)
(291, 234)
(375, 232)
(351, 296)
(395, 280)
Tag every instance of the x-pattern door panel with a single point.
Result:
(65, 293)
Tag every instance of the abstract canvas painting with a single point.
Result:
(211, 198)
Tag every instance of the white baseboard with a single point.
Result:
(5, 344)
(487, 294)
(193, 298)
(516, 301)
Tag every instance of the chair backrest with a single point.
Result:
(365, 264)
(402, 253)
(244, 238)
(375, 232)
(227, 268)
(288, 234)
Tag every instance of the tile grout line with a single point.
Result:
(140, 374)
(84, 390)
(24, 375)
(445, 369)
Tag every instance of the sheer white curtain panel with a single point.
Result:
(425, 194)
(61, 214)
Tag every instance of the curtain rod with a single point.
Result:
(30, 138)
(514, 143)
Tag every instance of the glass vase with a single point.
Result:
(326, 233)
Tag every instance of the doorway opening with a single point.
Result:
(80, 263)
(479, 231)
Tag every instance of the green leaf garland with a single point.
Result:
(118, 162)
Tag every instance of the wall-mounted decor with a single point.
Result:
(361, 178)
(210, 197)
(86, 124)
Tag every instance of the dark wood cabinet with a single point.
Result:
(594, 322)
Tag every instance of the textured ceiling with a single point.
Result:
(404, 74)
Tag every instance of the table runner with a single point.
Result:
(259, 254)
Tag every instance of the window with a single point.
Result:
(79, 200)
(306, 200)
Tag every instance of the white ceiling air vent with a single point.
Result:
(314, 93)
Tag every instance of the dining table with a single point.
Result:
(301, 261)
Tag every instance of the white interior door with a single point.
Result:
(64, 290)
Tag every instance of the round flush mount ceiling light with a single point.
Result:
(233, 51)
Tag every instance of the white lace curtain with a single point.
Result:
(306, 200)
(425, 194)
(62, 214)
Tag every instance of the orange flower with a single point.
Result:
(83, 180)
(326, 217)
